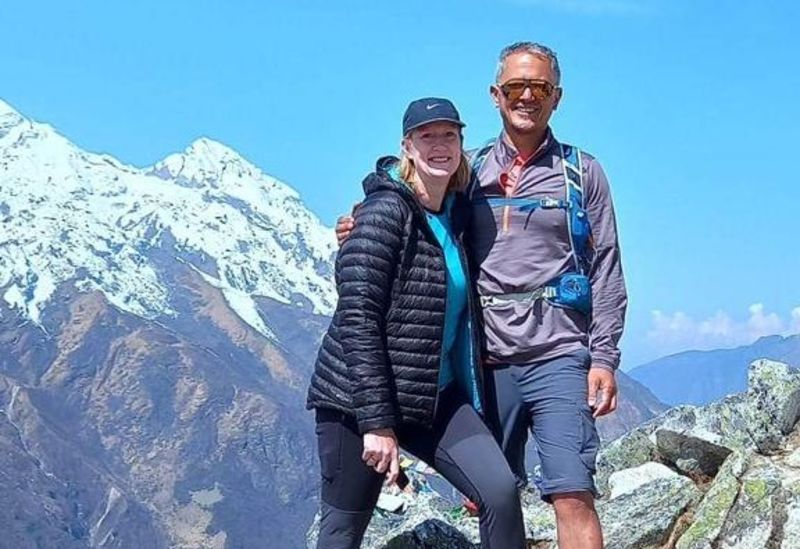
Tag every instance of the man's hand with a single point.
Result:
(602, 391)
(345, 224)
(381, 453)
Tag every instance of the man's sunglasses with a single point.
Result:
(540, 89)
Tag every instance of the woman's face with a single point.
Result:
(435, 149)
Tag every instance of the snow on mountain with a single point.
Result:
(70, 215)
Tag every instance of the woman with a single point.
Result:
(398, 364)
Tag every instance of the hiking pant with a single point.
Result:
(549, 398)
(460, 447)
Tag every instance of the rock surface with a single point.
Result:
(630, 480)
(773, 395)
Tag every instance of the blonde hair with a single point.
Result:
(458, 181)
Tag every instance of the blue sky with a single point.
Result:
(691, 107)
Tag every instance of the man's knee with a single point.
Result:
(569, 504)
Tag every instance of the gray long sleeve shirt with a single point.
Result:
(516, 251)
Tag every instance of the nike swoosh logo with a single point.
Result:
(429, 107)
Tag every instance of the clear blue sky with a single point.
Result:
(691, 107)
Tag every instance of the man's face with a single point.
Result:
(526, 93)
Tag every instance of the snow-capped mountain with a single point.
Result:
(70, 215)
(158, 327)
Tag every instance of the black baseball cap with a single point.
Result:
(429, 109)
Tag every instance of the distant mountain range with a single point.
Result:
(700, 377)
(157, 332)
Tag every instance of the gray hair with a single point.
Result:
(534, 49)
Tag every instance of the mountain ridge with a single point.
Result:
(116, 214)
(714, 373)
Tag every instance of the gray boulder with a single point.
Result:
(773, 403)
(631, 450)
(692, 440)
(691, 455)
(756, 517)
(791, 528)
(630, 480)
(697, 441)
(644, 518)
(712, 511)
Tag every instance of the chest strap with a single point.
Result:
(525, 204)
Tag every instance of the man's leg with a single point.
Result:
(577, 522)
(555, 394)
(507, 417)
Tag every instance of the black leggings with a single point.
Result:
(460, 448)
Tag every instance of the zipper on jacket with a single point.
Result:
(474, 320)
(441, 334)
(432, 237)
(475, 354)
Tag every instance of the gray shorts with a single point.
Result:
(549, 398)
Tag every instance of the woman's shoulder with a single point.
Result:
(384, 192)
(385, 205)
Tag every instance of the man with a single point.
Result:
(522, 242)
(543, 246)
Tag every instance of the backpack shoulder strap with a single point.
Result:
(573, 169)
(573, 181)
(476, 158)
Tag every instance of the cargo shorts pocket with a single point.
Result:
(589, 439)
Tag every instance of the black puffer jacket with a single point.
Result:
(380, 358)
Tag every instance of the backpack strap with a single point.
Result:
(572, 166)
(571, 158)
(476, 158)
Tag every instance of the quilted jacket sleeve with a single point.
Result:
(365, 270)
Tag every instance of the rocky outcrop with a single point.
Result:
(724, 475)
(645, 517)
(773, 409)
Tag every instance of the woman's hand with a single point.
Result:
(381, 453)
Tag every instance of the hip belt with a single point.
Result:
(570, 290)
(519, 297)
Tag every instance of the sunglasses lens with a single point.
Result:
(513, 89)
(541, 90)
